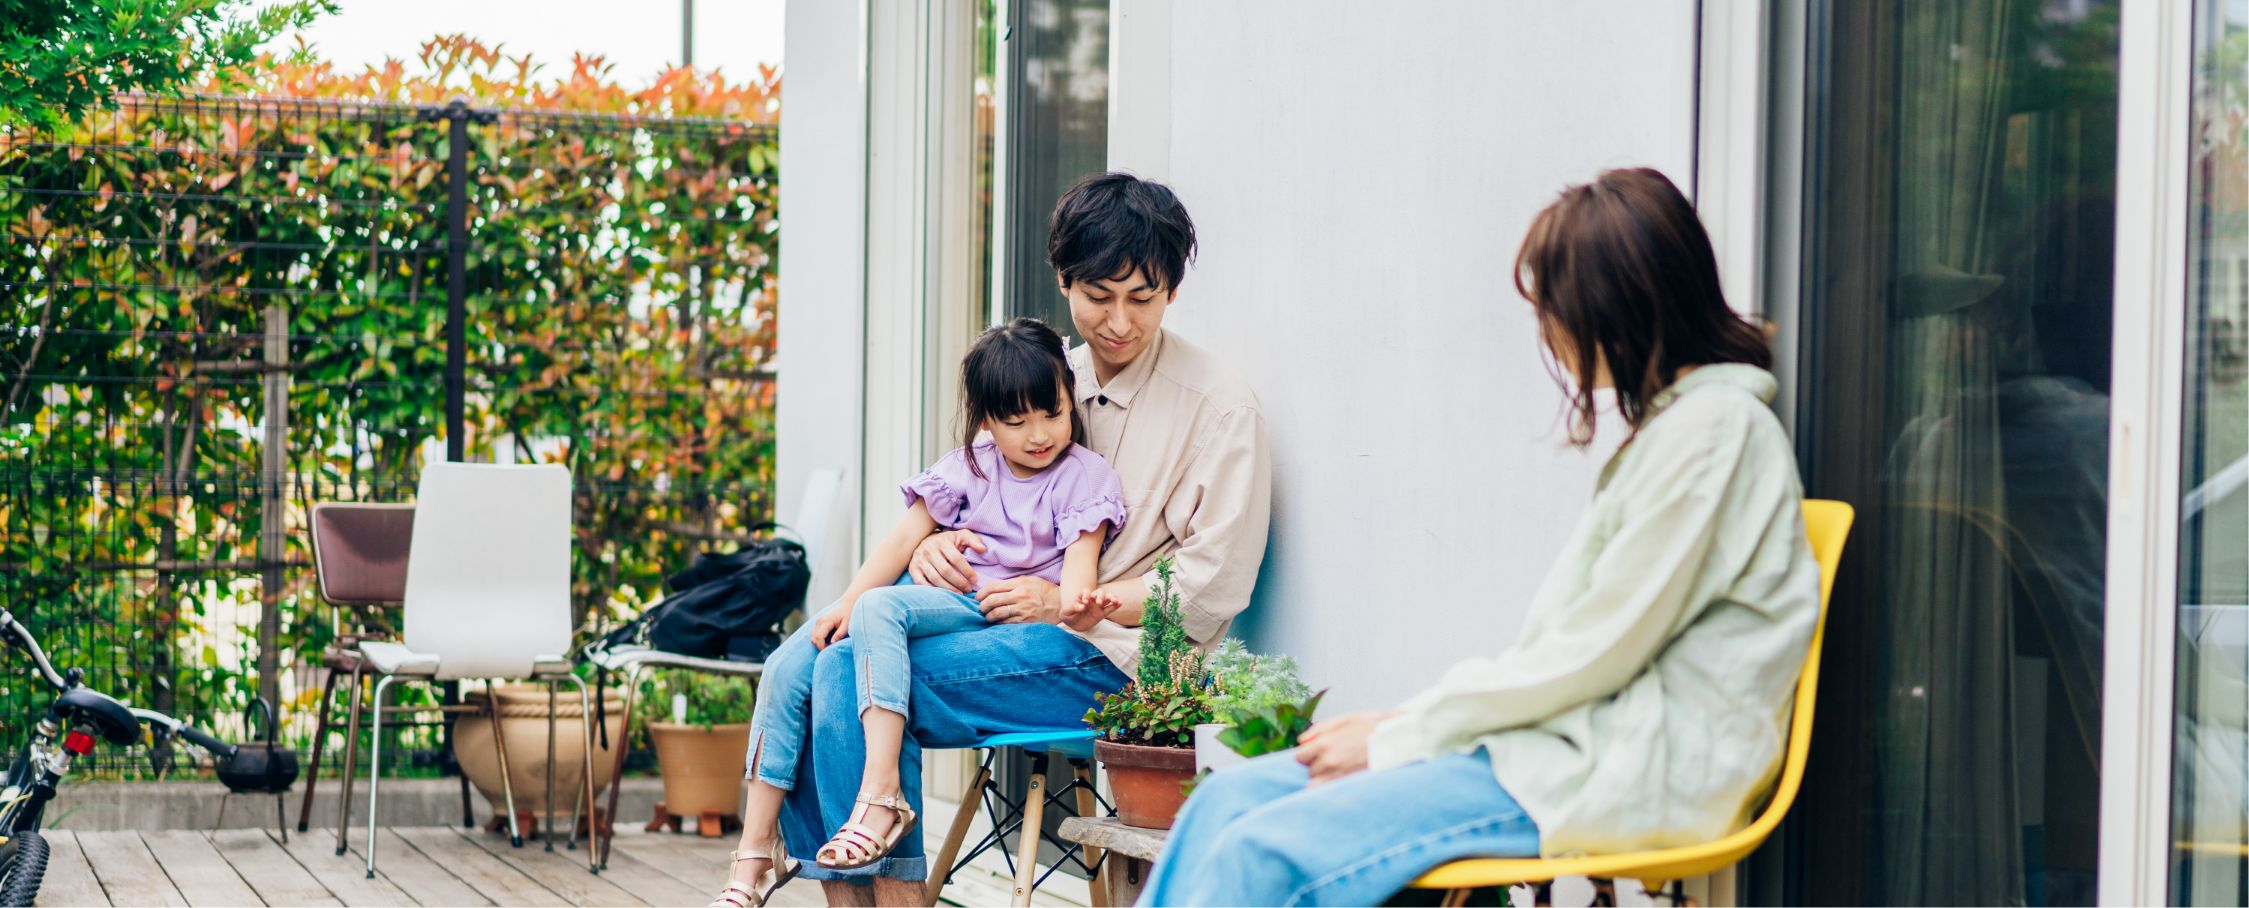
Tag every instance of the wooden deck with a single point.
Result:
(416, 866)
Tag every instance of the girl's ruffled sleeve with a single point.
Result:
(943, 487)
(1089, 498)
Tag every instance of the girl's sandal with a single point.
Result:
(778, 872)
(856, 846)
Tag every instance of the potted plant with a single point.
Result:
(523, 721)
(699, 726)
(1147, 729)
(1258, 706)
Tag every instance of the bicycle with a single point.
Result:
(78, 719)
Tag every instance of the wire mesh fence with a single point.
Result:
(216, 312)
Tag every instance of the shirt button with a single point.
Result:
(1102, 399)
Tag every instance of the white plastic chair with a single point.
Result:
(487, 596)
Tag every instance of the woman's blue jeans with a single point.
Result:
(1259, 834)
(929, 655)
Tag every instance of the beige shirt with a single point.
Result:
(1186, 436)
(1646, 704)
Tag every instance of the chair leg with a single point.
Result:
(500, 746)
(632, 687)
(943, 869)
(468, 808)
(319, 743)
(593, 829)
(549, 823)
(375, 770)
(351, 761)
(1097, 888)
(1031, 833)
(1455, 898)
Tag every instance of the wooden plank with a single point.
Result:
(700, 862)
(655, 886)
(345, 876)
(203, 877)
(489, 875)
(562, 871)
(126, 869)
(69, 880)
(406, 867)
(276, 876)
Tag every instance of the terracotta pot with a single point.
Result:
(523, 719)
(702, 766)
(1149, 782)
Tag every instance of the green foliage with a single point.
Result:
(61, 59)
(1158, 714)
(621, 320)
(1163, 632)
(1244, 683)
(711, 699)
(1269, 728)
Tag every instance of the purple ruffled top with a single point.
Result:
(1026, 523)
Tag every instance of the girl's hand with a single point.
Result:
(832, 625)
(1337, 747)
(1089, 608)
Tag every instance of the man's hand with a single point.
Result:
(1021, 600)
(1337, 747)
(832, 625)
(937, 561)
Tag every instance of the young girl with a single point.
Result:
(1044, 504)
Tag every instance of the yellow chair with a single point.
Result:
(1828, 523)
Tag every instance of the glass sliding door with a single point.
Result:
(2211, 730)
(1057, 110)
(1956, 299)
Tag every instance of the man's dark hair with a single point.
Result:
(1110, 224)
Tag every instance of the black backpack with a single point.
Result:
(726, 606)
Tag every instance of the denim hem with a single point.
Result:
(785, 786)
(907, 870)
(867, 703)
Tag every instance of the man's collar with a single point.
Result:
(1120, 390)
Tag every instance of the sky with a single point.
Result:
(641, 38)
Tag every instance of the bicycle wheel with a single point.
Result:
(21, 867)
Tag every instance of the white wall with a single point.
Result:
(823, 270)
(1361, 176)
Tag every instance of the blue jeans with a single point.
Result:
(882, 622)
(961, 686)
(1256, 834)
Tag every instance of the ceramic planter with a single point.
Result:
(1209, 753)
(702, 766)
(1149, 782)
(523, 719)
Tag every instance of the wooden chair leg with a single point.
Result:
(1454, 898)
(1031, 832)
(939, 871)
(1097, 888)
(351, 760)
(319, 743)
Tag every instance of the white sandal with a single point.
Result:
(856, 845)
(778, 872)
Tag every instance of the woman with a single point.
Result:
(1646, 703)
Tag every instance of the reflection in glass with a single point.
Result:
(1958, 298)
(2211, 748)
(1058, 131)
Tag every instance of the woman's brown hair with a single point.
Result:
(1621, 272)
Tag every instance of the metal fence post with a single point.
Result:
(273, 540)
(456, 277)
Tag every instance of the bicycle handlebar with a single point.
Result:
(38, 656)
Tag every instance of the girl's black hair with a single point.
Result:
(1013, 369)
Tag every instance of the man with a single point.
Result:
(1185, 435)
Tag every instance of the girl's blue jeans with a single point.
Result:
(1259, 834)
(924, 653)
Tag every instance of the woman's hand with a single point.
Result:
(832, 625)
(1337, 747)
(937, 561)
(1021, 600)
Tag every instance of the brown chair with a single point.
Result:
(359, 560)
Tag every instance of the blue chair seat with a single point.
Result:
(1067, 743)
